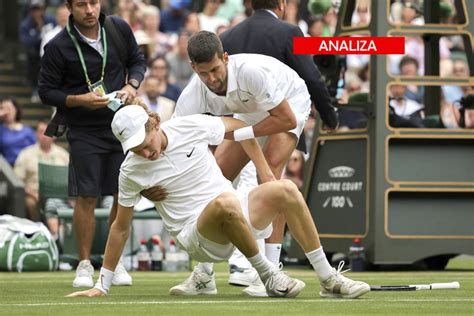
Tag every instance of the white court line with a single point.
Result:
(267, 301)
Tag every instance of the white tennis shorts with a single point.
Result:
(205, 250)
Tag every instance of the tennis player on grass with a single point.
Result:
(201, 209)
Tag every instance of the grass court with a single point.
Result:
(42, 293)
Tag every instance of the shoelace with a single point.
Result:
(339, 268)
(83, 271)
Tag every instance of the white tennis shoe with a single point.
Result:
(198, 283)
(339, 286)
(84, 274)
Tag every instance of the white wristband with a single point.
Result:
(243, 133)
(105, 280)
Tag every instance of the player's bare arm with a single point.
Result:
(118, 235)
(281, 119)
(251, 148)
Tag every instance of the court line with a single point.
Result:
(250, 300)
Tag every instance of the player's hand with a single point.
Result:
(155, 194)
(127, 94)
(88, 293)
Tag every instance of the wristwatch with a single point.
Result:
(134, 83)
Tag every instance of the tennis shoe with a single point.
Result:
(198, 283)
(339, 286)
(281, 285)
(84, 274)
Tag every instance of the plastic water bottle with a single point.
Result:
(156, 256)
(143, 257)
(172, 258)
(357, 256)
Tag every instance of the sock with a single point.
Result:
(207, 267)
(273, 251)
(320, 264)
(263, 266)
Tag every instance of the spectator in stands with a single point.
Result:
(361, 16)
(178, 60)
(292, 16)
(191, 23)
(160, 69)
(409, 67)
(77, 90)
(294, 169)
(154, 101)
(32, 29)
(62, 15)
(230, 9)
(403, 111)
(411, 13)
(150, 21)
(172, 18)
(315, 25)
(129, 10)
(14, 135)
(26, 168)
(208, 19)
(460, 70)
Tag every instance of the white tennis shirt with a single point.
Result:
(256, 84)
(186, 169)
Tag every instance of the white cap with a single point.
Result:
(128, 126)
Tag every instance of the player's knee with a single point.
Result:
(288, 190)
(227, 205)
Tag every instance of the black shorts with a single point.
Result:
(94, 165)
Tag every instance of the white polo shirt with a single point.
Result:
(256, 84)
(186, 169)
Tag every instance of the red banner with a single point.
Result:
(369, 45)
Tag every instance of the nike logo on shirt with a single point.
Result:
(189, 155)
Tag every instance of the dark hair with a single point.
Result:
(406, 60)
(17, 108)
(264, 4)
(203, 46)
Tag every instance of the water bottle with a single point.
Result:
(357, 256)
(172, 258)
(143, 257)
(156, 256)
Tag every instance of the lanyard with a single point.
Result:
(81, 57)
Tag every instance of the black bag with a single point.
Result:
(57, 125)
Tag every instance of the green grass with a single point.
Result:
(43, 294)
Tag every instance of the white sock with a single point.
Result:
(272, 252)
(320, 264)
(207, 267)
(263, 266)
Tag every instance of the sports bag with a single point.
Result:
(26, 246)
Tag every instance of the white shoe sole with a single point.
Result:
(179, 292)
(122, 283)
(293, 292)
(239, 281)
(83, 282)
(254, 292)
(356, 294)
